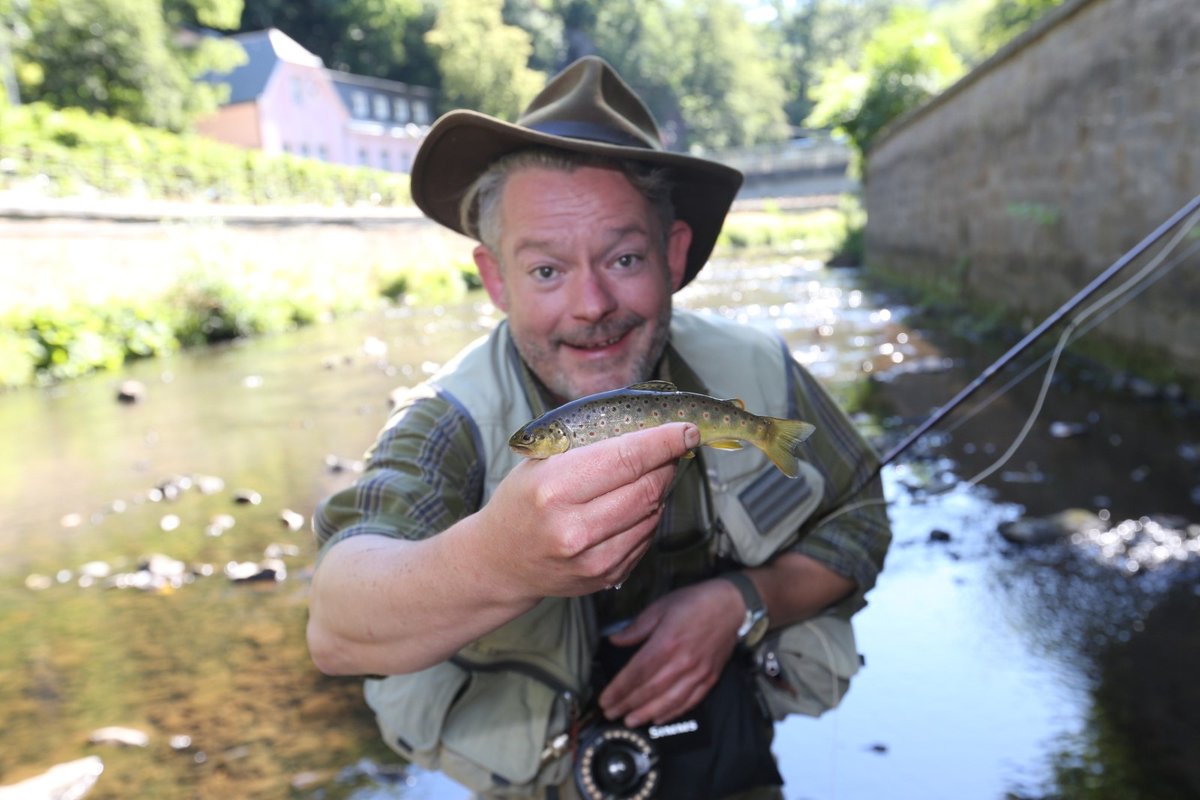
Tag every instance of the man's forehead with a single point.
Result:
(544, 199)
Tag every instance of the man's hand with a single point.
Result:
(689, 634)
(579, 522)
(569, 525)
(687, 637)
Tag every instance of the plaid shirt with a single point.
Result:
(423, 474)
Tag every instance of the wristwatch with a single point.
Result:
(755, 624)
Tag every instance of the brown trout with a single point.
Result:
(723, 424)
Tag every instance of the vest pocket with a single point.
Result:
(411, 709)
(486, 730)
(762, 511)
(806, 668)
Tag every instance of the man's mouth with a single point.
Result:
(598, 345)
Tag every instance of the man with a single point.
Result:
(517, 605)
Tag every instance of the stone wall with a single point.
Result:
(1037, 171)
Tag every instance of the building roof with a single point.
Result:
(264, 49)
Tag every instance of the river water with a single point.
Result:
(155, 561)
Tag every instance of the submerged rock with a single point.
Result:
(124, 737)
(1055, 528)
(71, 780)
(131, 392)
(269, 569)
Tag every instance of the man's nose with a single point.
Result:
(593, 297)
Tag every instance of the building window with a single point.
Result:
(304, 150)
(297, 90)
(385, 160)
(322, 152)
(362, 157)
(358, 103)
(420, 112)
(381, 106)
(400, 110)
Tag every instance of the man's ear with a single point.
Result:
(679, 241)
(490, 275)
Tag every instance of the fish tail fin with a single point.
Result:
(783, 444)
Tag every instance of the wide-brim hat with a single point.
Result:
(586, 108)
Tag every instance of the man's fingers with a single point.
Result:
(608, 465)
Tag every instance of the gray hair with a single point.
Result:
(479, 211)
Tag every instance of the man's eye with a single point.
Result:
(543, 273)
(628, 260)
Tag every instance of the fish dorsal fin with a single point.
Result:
(725, 444)
(737, 401)
(655, 386)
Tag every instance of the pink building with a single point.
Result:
(284, 100)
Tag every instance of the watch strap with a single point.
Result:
(756, 609)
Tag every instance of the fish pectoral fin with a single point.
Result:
(654, 386)
(725, 444)
(689, 454)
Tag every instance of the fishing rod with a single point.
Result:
(1020, 347)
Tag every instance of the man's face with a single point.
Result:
(584, 278)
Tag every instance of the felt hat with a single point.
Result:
(586, 108)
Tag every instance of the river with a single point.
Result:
(993, 670)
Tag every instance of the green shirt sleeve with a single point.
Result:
(422, 474)
(849, 532)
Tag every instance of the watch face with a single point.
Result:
(758, 629)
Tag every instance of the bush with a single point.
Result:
(65, 152)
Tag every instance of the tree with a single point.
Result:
(545, 29)
(905, 64)
(125, 58)
(1007, 18)
(379, 38)
(814, 35)
(710, 78)
(731, 93)
(483, 61)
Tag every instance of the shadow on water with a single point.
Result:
(1059, 667)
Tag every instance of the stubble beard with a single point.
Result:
(567, 384)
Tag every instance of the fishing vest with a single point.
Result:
(495, 716)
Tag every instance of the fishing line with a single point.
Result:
(1132, 295)
(1062, 311)
(1120, 296)
(1125, 290)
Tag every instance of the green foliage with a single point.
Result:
(482, 60)
(905, 63)
(18, 358)
(814, 37)
(1038, 213)
(70, 152)
(730, 95)
(59, 343)
(819, 233)
(701, 67)
(420, 284)
(120, 57)
(380, 38)
(1008, 18)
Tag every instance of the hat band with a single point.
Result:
(591, 132)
